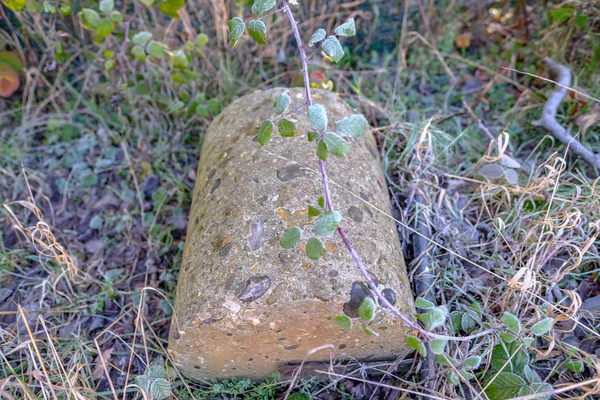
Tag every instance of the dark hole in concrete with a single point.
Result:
(215, 185)
(342, 346)
(355, 214)
(290, 172)
(211, 174)
(225, 249)
(292, 347)
(389, 295)
(197, 367)
(357, 294)
(251, 359)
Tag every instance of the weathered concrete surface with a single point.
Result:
(244, 304)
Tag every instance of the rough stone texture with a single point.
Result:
(245, 305)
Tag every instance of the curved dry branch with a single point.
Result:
(548, 119)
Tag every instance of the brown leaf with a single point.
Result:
(587, 120)
(463, 40)
(100, 359)
(9, 80)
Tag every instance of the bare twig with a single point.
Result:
(548, 119)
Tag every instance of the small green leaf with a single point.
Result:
(322, 150)
(444, 359)
(366, 311)
(343, 321)
(265, 132)
(201, 40)
(282, 102)
(286, 127)
(542, 327)
(467, 375)
(504, 385)
(581, 20)
(370, 332)
(49, 7)
(109, 65)
(155, 49)
(143, 382)
(528, 342)
(472, 363)
(313, 212)
(336, 144)
(141, 38)
(347, 29)
(312, 136)
(116, 16)
(14, 5)
(333, 48)
(65, 10)
(507, 337)
(160, 389)
(327, 223)
(138, 53)
(262, 6)
(453, 377)
(236, 29)
(424, 304)
(434, 318)
(412, 341)
(511, 322)
(318, 117)
(170, 7)
(469, 320)
(575, 365)
(148, 3)
(530, 375)
(291, 238)
(105, 27)
(214, 105)
(90, 18)
(317, 37)
(437, 346)
(315, 248)
(321, 202)
(179, 59)
(352, 126)
(540, 387)
(157, 371)
(106, 6)
(456, 320)
(258, 31)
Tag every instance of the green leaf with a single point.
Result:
(214, 105)
(437, 346)
(352, 126)
(105, 27)
(312, 136)
(504, 385)
(531, 375)
(542, 327)
(258, 30)
(157, 371)
(581, 20)
(343, 321)
(49, 7)
(347, 29)
(286, 127)
(236, 29)
(14, 5)
(160, 389)
(170, 7)
(317, 116)
(291, 238)
(322, 150)
(336, 144)
(282, 102)
(327, 223)
(370, 332)
(89, 18)
(472, 363)
(507, 337)
(64, 10)
(141, 38)
(109, 65)
(515, 352)
(469, 320)
(265, 132)
(313, 212)
(155, 49)
(434, 318)
(412, 341)
(574, 365)
(317, 37)
(456, 320)
(366, 311)
(106, 6)
(453, 377)
(467, 375)
(116, 16)
(262, 6)
(539, 387)
(444, 359)
(148, 3)
(321, 201)
(333, 48)
(138, 53)
(315, 248)
(423, 303)
(511, 322)
(179, 59)
(201, 40)
(143, 382)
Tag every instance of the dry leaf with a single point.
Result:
(100, 361)
(587, 120)
(491, 171)
(9, 80)
(463, 40)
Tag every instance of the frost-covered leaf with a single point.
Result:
(286, 127)
(491, 171)
(424, 304)
(236, 29)
(143, 382)
(352, 126)
(327, 223)
(282, 102)
(179, 59)
(142, 38)
(437, 346)
(469, 320)
(318, 117)
(156, 371)
(291, 238)
(336, 144)
(106, 6)
(542, 327)
(509, 162)
(315, 248)
(258, 31)
(366, 311)
(472, 362)
(347, 29)
(511, 322)
(262, 6)
(343, 321)
(333, 48)
(160, 389)
(512, 176)
(317, 37)
(265, 132)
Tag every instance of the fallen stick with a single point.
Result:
(548, 119)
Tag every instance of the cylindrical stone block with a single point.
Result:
(245, 305)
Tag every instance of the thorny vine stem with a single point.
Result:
(329, 206)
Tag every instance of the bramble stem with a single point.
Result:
(329, 206)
